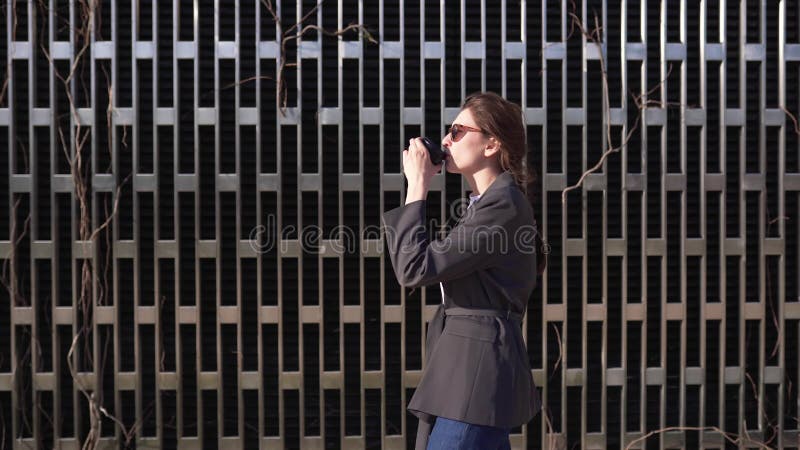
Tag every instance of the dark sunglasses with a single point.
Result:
(457, 131)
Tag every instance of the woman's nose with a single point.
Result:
(446, 140)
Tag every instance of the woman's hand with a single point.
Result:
(417, 164)
(419, 169)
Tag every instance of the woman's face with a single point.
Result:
(466, 155)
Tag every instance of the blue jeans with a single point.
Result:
(453, 435)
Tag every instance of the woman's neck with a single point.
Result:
(482, 179)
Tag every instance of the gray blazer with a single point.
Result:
(476, 366)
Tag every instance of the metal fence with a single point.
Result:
(240, 297)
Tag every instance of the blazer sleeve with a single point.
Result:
(474, 244)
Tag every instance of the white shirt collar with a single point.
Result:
(473, 198)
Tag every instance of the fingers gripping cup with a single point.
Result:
(434, 151)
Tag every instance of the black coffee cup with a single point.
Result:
(434, 151)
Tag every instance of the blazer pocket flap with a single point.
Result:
(470, 328)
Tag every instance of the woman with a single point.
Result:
(477, 381)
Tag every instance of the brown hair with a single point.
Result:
(503, 120)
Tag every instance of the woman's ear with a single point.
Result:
(492, 147)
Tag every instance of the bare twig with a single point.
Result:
(769, 423)
(730, 437)
(560, 351)
(11, 285)
(14, 23)
(794, 119)
(80, 172)
(773, 313)
(594, 36)
(551, 439)
(109, 115)
(25, 359)
(297, 31)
